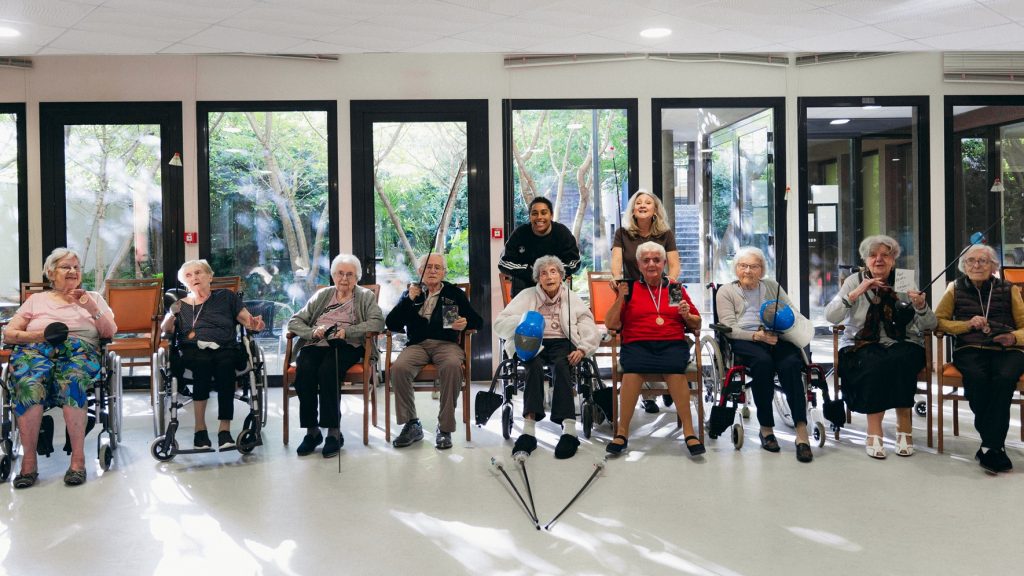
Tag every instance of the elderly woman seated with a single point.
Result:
(761, 350)
(986, 315)
(653, 314)
(569, 335)
(56, 373)
(331, 327)
(204, 326)
(882, 348)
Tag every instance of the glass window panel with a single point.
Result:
(1011, 164)
(554, 155)
(113, 200)
(269, 216)
(10, 256)
(421, 194)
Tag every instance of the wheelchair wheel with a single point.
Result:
(5, 467)
(737, 436)
(157, 385)
(506, 421)
(247, 441)
(160, 452)
(713, 368)
(920, 408)
(588, 419)
(819, 434)
(106, 456)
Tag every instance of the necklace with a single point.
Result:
(192, 333)
(985, 308)
(657, 303)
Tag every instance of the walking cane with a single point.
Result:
(501, 468)
(598, 467)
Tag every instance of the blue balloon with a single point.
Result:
(529, 335)
(777, 316)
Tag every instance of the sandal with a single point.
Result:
(74, 477)
(769, 442)
(26, 480)
(695, 449)
(616, 449)
(904, 444)
(874, 447)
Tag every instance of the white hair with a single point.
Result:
(351, 261)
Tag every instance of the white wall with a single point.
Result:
(394, 76)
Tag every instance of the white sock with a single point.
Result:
(984, 450)
(529, 427)
(569, 427)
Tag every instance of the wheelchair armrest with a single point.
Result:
(721, 328)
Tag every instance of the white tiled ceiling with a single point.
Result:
(505, 26)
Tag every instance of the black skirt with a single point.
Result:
(655, 357)
(876, 378)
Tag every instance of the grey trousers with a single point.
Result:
(448, 357)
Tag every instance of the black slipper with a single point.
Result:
(769, 442)
(803, 452)
(695, 449)
(526, 444)
(26, 480)
(616, 449)
(566, 447)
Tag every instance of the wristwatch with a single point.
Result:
(97, 315)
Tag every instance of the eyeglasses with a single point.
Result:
(977, 262)
(345, 275)
(745, 266)
(65, 268)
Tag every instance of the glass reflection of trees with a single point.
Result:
(420, 192)
(269, 212)
(113, 196)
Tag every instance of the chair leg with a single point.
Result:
(465, 407)
(956, 414)
(366, 411)
(939, 418)
(928, 412)
(284, 396)
(387, 409)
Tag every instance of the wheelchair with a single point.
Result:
(510, 378)
(103, 405)
(172, 395)
(726, 386)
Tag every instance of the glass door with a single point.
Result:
(716, 158)
(419, 176)
(13, 207)
(114, 195)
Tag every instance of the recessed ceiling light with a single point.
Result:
(871, 107)
(655, 32)
(6, 32)
(839, 121)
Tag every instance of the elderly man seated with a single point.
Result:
(421, 313)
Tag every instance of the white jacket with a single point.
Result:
(584, 336)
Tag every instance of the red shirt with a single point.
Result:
(640, 312)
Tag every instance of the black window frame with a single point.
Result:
(20, 126)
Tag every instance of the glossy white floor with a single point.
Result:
(419, 511)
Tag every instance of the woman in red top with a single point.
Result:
(653, 315)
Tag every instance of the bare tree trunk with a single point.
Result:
(321, 229)
(527, 185)
(449, 208)
(560, 171)
(409, 252)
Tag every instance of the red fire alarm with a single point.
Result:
(497, 233)
(191, 237)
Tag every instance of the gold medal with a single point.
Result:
(986, 329)
(84, 299)
(659, 320)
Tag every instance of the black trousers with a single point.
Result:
(876, 378)
(763, 362)
(316, 382)
(990, 377)
(555, 354)
(212, 369)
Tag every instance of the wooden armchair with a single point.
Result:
(360, 379)
(426, 380)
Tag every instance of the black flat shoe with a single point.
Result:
(651, 407)
(309, 443)
(803, 452)
(769, 442)
(616, 449)
(695, 449)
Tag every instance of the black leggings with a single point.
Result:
(212, 369)
(763, 362)
(990, 377)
